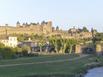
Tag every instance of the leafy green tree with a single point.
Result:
(99, 37)
(7, 53)
(71, 43)
(17, 49)
(25, 50)
(2, 45)
(56, 43)
(41, 44)
(85, 29)
(62, 44)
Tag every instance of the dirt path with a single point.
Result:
(54, 61)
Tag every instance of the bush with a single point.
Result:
(25, 53)
(7, 53)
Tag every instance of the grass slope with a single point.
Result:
(68, 65)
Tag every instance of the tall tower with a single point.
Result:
(47, 27)
(6, 32)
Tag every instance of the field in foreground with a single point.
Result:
(57, 65)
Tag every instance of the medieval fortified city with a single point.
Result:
(51, 38)
(43, 41)
(43, 37)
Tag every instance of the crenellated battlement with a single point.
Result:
(43, 28)
(25, 28)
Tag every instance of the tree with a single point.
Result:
(53, 42)
(17, 49)
(56, 43)
(95, 36)
(2, 45)
(23, 37)
(85, 29)
(57, 28)
(7, 53)
(61, 44)
(18, 23)
(41, 44)
(25, 50)
(98, 37)
(71, 43)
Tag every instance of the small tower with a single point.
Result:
(18, 24)
(57, 28)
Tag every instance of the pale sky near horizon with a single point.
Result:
(64, 13)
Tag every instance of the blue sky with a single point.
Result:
(64, 13)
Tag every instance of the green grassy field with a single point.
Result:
(59, 65)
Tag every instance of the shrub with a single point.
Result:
(7, 53)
